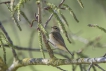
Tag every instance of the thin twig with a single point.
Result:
(80, 3)
(61, 3)
(81, 67)
(12, 5)
(60, 69)
(99, 67)
(104, 55)
(4, 50)
(39, 32)
(94, 68)
(10, 41)
(50, 17)
(89, 67)
(6, 2)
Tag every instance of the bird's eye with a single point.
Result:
(55, 27)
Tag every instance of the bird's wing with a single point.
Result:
(60, 40)
(58, 37)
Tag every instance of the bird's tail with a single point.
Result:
(65, 49)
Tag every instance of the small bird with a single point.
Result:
(57, 40)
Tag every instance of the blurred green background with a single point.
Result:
(94, 12)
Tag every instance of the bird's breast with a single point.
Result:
(52, 39)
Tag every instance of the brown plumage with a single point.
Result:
(57, 40)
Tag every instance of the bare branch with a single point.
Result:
(56, 62)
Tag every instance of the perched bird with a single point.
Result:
(57, 40)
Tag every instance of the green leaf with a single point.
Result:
(80, 3)
(71, 12)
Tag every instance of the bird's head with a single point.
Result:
(55, 29)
